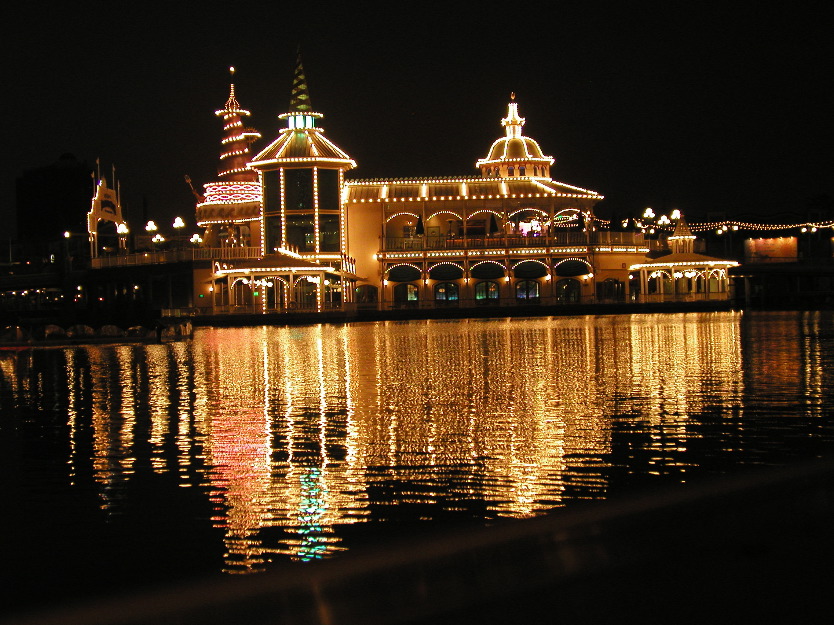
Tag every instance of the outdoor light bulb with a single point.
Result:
(67, 234)
(151, 226)
(179, 223)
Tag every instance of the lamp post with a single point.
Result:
(178, 225)
(122, 231)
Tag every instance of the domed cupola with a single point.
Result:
(514, 154)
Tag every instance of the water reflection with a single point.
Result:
(295, 433)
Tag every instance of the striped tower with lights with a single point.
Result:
(230, 208)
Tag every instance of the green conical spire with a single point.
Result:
(300, 101)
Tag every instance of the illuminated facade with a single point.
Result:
(683, 273)
(315, 240)
(230, 209)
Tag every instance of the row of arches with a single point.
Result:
(489, 270)
(481, 222)
(267, 293)
(484, 292)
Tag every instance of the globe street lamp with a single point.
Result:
(122, 231)
(178, 224)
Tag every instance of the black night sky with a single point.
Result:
(693, 107)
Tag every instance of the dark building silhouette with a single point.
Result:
(52, 200)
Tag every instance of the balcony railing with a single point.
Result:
(176, 256)
(599, 240)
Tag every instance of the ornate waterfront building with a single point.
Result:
(509, 236)
(287, 230)
(683, 273)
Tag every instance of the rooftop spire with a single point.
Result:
(512, 122)
(231, 103)
(300, 100)
(236, 140)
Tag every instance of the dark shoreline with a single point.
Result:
(172, 326)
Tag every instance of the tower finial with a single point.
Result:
(300, 100)
(231, 103)
(512, 95)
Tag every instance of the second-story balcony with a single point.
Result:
(184, 254)
(601, 241)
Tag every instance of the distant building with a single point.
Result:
(52, 200)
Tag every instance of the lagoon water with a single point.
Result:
(128, 465)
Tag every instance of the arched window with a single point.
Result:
(366, 294)
(487, 292)
(522, 170)
(405, 294)
(611, 289)
(527, 291)
(446, 292)
(306, 293)
(511, 171)
(568, 291)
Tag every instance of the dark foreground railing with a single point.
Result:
(754, 548)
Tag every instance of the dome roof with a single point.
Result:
(514, 150)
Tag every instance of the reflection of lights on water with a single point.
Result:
(290, 427)
(312, 506)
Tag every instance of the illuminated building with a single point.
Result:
(296, 256)
(286, 230)
(683, 273)
(511, 235)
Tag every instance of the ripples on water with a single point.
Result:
(252, 445)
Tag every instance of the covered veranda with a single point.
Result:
(279, 283)
(683, 277)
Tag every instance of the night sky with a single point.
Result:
(697, 108)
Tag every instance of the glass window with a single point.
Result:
(527, 290)
(487, 290)
(366, 294)
(404, 293)
(446, 291)
(568, 290)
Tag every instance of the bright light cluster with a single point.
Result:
(736, 225)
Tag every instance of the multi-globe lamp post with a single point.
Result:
(152, 229)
